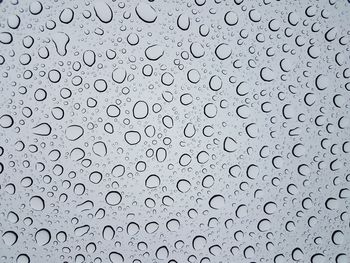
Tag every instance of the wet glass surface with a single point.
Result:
(199, 131)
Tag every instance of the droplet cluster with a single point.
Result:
(199, 131)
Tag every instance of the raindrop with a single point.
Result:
(37, 203)
(103, 11)
(113, 198)
(146, 12)
(223, 51)
(217, 201)
(74, 132)
(132, 137)
(42, 237)
(10, 238)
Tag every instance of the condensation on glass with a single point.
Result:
(174, 131)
